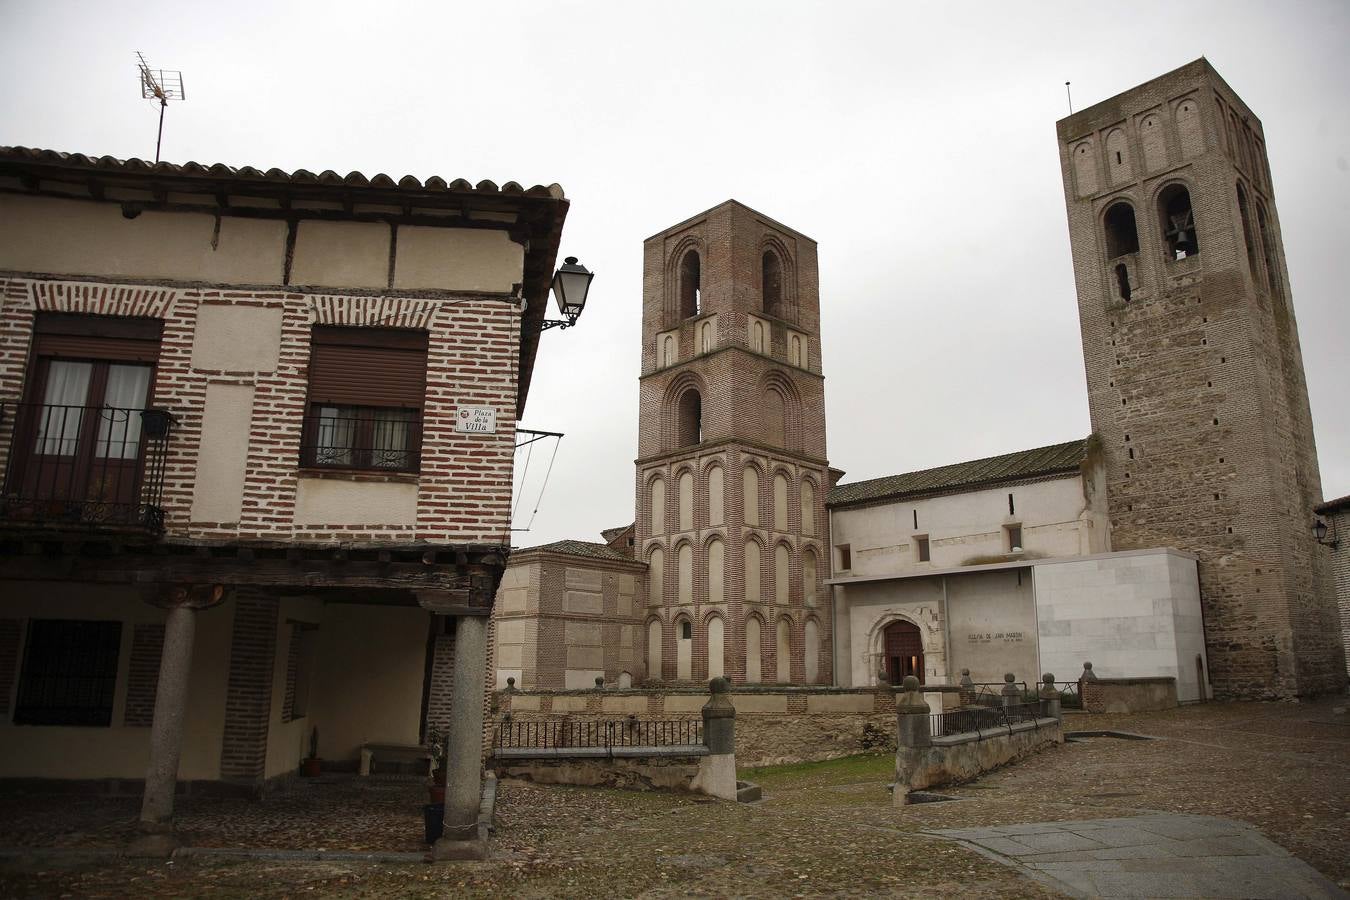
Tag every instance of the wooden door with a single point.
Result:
(903, 651)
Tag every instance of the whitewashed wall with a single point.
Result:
(1131, 614)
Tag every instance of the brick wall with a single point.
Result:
(1340, 565)
(464, 486)
(1195, 384)
(440, 691)
(147, 642)
(248, 697)
(9, 662)
(736, 379)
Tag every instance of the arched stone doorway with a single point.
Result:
(902, 650)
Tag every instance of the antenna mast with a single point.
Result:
(162, 85)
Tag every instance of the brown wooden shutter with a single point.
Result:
(115, 338)
(353, 366)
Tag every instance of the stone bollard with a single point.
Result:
(967, 688)
(913, 737)
(1050, 699)
(1012, 694)
(911, 715)
(717, 771)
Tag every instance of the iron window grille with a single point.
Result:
(384, 439)
(69, 673)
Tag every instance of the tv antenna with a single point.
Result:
(162, 85)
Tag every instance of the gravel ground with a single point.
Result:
(823, 829)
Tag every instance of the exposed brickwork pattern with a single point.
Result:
(1196, 384)
(9, 662)
(737, 378)
(147, 642)
(440, 692)
(1340, 566)
(293, 645)
(465, 480)
(248, 698)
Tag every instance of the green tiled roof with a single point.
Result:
(588, 549)
(1022, 465)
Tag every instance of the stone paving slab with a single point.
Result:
(1159, 855)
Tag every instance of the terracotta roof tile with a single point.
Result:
(380, 181)
(588, 549)
(1024, 464)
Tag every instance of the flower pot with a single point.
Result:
(155, 422)
(433, 821)
(311, 767)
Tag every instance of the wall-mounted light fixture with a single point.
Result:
(571, 283)
(1320, 529)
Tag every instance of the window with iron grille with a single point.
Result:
(366, 389)
(69, 673)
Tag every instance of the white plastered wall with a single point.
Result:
(288, 742)
(1053, 514)
(118, 751)
(1131, 614)
(368, 677)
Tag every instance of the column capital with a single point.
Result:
(192, 596)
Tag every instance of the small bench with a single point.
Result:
(393, 753)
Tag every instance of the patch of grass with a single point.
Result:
(863, 767)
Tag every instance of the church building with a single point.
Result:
(1171, 541)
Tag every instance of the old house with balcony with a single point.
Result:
(257, 444)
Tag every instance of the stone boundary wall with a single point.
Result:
(774, 725)
(654, 772)
(961, 757)
(1129, 695)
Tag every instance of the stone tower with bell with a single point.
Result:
(1195, 378)
(731, 469)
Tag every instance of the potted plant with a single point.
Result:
(436, 745)
(311, 765)
(433, 814)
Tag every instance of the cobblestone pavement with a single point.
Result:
(823, 829)
(1161, 855)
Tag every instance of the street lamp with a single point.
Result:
(1319, 530)
(571, 283)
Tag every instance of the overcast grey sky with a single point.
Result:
(914, 141)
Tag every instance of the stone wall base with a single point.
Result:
(676, 773)
(952, 760)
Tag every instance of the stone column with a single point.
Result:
(913, 738)
(967, 688)
(1012, 694)
(166, 729)
(717, 771)
(1050, 699)
(464, 744)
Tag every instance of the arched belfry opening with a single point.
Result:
(1178, 222)
(1122, 235)
(771, 284)
(691, 291)
(689, 419)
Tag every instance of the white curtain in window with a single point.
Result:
(335, 435)
(389, 439)
(63, 407)
(119, 426)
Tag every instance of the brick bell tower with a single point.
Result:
(1195, 378)
(731, 469)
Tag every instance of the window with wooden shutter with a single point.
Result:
(366, 389)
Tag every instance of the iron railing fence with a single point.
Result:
(979, 718)
(385, 440)
(990, 693)
(85, 466)
(560, 734)
(1069, 695)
